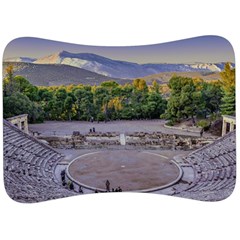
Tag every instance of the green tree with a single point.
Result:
(140, 84)
(19, 97)
(55, 109)
(155, 86)
(79, 95)
(155, 105)
(84, 103)
(22, 85)
(101, 97)
(68, 105)
(228, 106)
(211, 98)
(184, 99)
(58, 103)
(18, 104)
(9, 85)
(45, 97)
(109, 84)
(228, 78)
(228, 85)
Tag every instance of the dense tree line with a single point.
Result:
(192, 98)
(189, 98)
(109, 101)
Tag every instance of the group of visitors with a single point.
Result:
(118, 189)
(92, 130)
(71, 186)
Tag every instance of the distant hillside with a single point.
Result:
(58, 74)
(95, 63)
(166, 76)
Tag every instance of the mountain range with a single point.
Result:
(88, 67)
(21, 59)
(115, 68)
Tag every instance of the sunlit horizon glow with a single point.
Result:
(205, 49)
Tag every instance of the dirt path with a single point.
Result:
(62, 128)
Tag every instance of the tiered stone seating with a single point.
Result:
(29, 167)
(215, 170)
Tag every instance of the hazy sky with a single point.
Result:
(200, 49)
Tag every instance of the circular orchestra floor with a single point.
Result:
(131, 170)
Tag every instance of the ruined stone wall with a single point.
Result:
(139, 139)
(160, 140)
